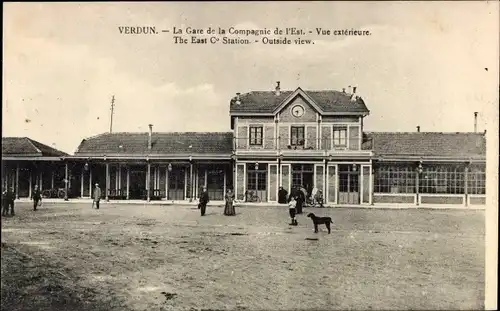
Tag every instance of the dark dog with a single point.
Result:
(320, 221)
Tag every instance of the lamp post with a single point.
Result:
(256, 166)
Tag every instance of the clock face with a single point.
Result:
(298, 111)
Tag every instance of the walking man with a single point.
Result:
(204, 199)
(37, 197)
(97, 196)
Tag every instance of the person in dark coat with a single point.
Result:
(8, 201)
(204, 199)
(282, 196)
(300, 201)
(36, 196)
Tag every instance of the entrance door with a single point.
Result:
(303, 176)
(215, 184)
(348, 184)
(257, 183)
(176, 184)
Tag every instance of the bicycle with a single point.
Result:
(54, 193)
(251, 197)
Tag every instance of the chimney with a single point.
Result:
(418, 128)
(278, 88)
(238, 99)
(349, 89)
(343, 90)
(149, 137)
(475, 122)
(354, 90)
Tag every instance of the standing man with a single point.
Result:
(8, 200)
(204, 199)
(300, 201)
(37, 197)
(97, 196)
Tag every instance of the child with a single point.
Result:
(291, 207)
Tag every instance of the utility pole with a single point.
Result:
(112, 112)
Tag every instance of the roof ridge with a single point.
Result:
(31, 142)
(448, 133)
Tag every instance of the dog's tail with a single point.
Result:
(331, 221)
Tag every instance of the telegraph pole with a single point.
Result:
(112, 112)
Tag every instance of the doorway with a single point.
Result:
(176, 184)
(137, 187)
(348, 184)
(303, 176)
(215, 184)
(257, 184)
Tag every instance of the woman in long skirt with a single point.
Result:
(229, 209)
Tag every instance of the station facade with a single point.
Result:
(313, 139)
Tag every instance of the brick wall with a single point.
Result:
(326, 137)
(269, 136)
(284, 136)
(240, 177)
(311, 138)
(354, 138)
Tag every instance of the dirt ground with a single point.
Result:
(136, 257)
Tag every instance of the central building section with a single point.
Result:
(308, 139)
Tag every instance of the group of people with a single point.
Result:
(9, 196)
(297, 199)
(229, 209)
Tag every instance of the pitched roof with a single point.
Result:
(426, 144)
(128, 143)
(267, 101)
(24, 146)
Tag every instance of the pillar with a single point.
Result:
(81, 183)
(225, 172)
(166, 183)
(417, 187)
(90, 181)
(30, 185)
(40, 182)
(52, 180)
(107, 181)
(466, 182)
(17, 181)
(66, 181)
(191, 182)
(128, 182)
(148, 180)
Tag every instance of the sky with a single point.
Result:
(430, 64)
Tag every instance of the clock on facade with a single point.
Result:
(298, 111)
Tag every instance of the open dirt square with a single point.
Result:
(136, 257)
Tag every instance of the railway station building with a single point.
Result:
(278, 138)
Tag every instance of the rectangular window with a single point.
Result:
(395, 179)
(340, 136)
(442, 179)
(476, 183)
(297, 136)
(255, 135)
